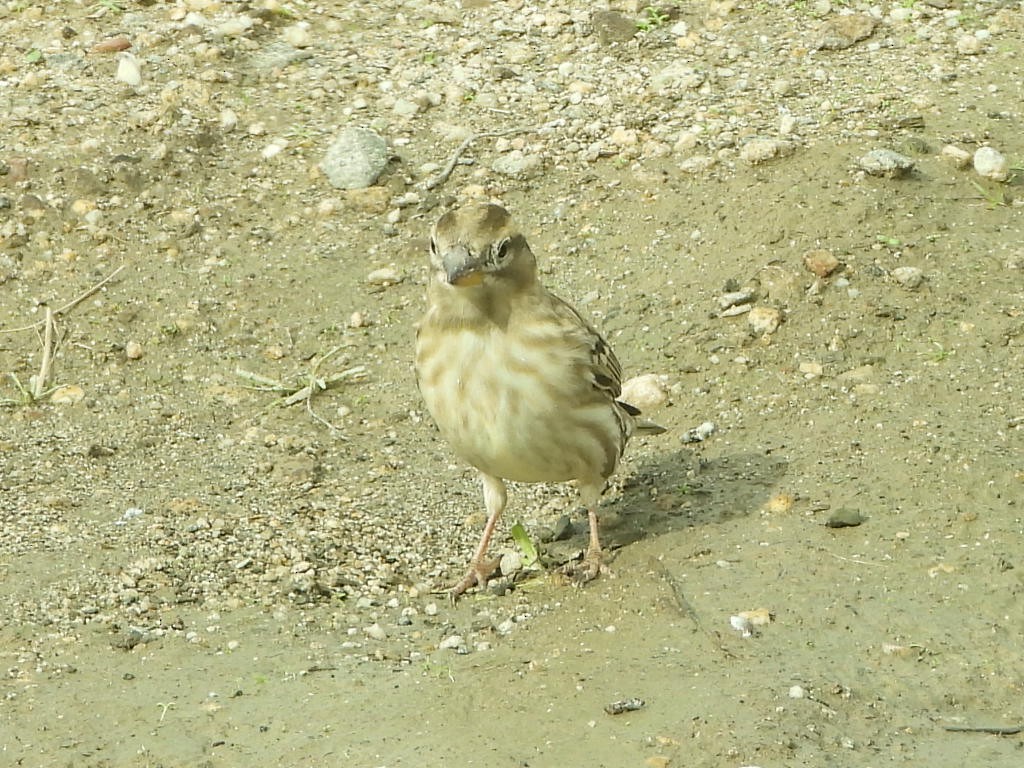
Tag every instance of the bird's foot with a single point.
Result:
(589, 568)
(480, 571)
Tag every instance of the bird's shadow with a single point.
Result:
(673, 492)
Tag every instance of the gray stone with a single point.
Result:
(612, 27)
(355, 159)
(885, 162)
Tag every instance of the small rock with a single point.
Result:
(623, 137)
(886, 163)
(960, 158)
(676, 77)
(112, 45)
(845, 517)
(761, 150)
(128, 70)
(909, 277)
(821, 262)
(228, 119)
(384, 276)
(452, 642)
(297, 35)
(511, 563)
(764, 320)
(368, 200)
(697, 164)
(133, 350)
(517, 165)
(735, 298)
(968, 45)
(612, 27)
(841, 32)
(355, 159)
(991, 163)
(646, 391)
(405, 108)
(70, 394)
(699, 433)
(375, 632)
(810, 369)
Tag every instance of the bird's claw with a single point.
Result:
(589, 568)
(478, 575)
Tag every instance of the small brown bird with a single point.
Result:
(520, 385)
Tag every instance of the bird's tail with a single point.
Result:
(644, 427)
(641, 426)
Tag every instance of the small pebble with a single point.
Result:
(960, 158)
(764, 321)
(758, 151)
(128, 70)
(133, 350)
(452, 642)
(909, 277)
(991, 163)
(886, 163)
(845, 517)
(698, 434)
(355, 159)
(646, 391)
(384, 276)
(821, 262)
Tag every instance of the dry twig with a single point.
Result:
(449, 167)
(313, 383)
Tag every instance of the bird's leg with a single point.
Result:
(480, 568)
(592, 564)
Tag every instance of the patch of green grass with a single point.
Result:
(940, 353)
(994, 197)
(109, 5)
(652, 19)
(525, 544)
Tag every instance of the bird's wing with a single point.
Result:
(604, 369)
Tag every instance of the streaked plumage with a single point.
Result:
(520, 385)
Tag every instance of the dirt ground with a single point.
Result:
(195, 573)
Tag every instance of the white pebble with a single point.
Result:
(297, 35)
(797, 692)
(645, 391)
(375, 632)
(909, 277)
(764, 320)
(128, 70)
(384, 276)
(273, 148)
(451, 642)
(991, 163)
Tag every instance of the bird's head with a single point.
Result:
(480, 245)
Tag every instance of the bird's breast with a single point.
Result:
(517, 406)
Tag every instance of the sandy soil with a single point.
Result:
(193, 573)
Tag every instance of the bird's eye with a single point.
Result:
(500, 251)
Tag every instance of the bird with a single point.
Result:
(519, 384)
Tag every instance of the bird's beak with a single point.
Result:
(461, 269)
